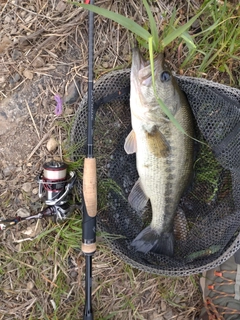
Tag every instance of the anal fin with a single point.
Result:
(137, 198)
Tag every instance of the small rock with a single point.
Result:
(38, 257)
(30, 231)
(23, 42)
(38, 62)
(22, 213)
(169, 314)
(30, 285)
(52, 144)
(28, 74)
(7, 19)
(72, 93)
(15, 78)
(4, 44)
(163, 306)
(23, 13)
(35, 191)
(69, 111)
(73, 274)
(105, 65)
(27, 187)
(61, 6)
(2, 183)
(16, 54)
(7, 171)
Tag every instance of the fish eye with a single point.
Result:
(165, 76)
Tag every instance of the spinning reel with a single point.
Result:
(55, 185)
(54, 188)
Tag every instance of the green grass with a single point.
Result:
(207, 172)
(218, 44)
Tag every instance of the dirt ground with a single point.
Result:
(43, 53)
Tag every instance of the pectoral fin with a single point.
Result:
(137, 198)
(130, 145)
(157, 143)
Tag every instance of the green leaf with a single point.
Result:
(125, 22)
(173, 17)
(153, 26)
(150, 49)
(178, 32)
(210, 29)
(209, 59)
(160, 102)
(189, 41)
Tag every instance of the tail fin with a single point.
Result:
(150, 240)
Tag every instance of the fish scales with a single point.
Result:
(164, 155)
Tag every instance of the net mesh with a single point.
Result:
(207, 221)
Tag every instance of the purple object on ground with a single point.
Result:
(59, 106)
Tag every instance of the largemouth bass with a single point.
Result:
(164, 155)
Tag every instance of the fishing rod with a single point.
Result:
(89, 182)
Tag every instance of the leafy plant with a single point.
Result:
(151, 40)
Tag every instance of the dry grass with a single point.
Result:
(43, 49)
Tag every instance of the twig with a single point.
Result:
(4, 8)
(60, 145)
(40, 142)
(34, 124)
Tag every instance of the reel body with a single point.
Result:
(52, 181)
(55, 185)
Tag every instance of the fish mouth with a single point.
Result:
(141, 68)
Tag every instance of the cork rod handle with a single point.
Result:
(90, 186)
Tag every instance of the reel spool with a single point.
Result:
(54, 183)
